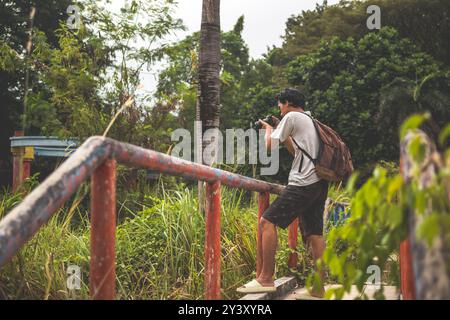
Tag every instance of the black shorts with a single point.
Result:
(306, 203)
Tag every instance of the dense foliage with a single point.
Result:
(379, 222)
(365, 89)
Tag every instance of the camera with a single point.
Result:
(268, 119)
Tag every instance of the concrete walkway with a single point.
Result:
(390, 293)
(287, 290)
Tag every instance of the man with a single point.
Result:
(305, 195)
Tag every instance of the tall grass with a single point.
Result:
(160, 248)
(38, 271)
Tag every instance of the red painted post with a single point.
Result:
(102, 284)
(406, 272)
(263, 204)
(407, 285)
(17, 168)
(292, 241)
(27, 159)
(212, 241)
(17, 153)
(26, 169)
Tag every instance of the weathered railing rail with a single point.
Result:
(97, 156)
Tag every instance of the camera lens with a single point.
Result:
(268, 119)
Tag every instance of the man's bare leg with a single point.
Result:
(269, 248)
(317, 247)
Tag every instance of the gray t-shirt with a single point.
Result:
(301, 128)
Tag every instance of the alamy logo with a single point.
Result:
(375, 276)
(74, 20)
(374, 21)
(74, 279)
(233, 153)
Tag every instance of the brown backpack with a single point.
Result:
(333, 162)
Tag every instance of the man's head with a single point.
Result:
(290, 100)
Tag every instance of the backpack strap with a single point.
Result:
(301, 164)
(306, 114)
(320, 141)
(301, 149)
(304, 152)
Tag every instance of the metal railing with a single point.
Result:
(97, 157)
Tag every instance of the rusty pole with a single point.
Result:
(26, 169)
(407, 286)
(263, 204)
(212, 241)
(27, 159)
(292, 241)
(102, 282)
(406, 272)
(17, 153)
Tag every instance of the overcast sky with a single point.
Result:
(265, 20)
(264, 23)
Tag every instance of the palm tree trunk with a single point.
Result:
(209, 66)
(209, 81)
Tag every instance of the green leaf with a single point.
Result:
(330, 293)
(386, 239)
(413, 122)
(351, 270)
(327, 255)
(335, 265)
(379, 173)
(395, 216)
(445, 133)
(417, 149)
(339, 293)
(420, 201)
(395, 184)
(429, 228)
(379, 294)
(351, 183)
(371, 194)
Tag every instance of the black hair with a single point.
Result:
(293, 96)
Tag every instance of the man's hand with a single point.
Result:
(268, 129)
(265, 125)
